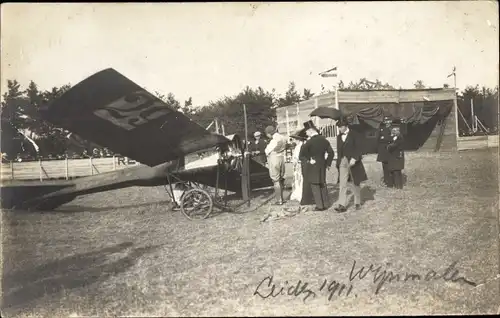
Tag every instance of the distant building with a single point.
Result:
(291, 118)
(397, 102)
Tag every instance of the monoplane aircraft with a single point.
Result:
(112, 111)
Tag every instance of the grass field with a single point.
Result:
(125, 253)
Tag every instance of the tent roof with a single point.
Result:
(380, 96)
(396, 96)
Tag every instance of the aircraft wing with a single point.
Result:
(110, 110)
(140, 175)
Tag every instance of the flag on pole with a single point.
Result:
(329, 73)
(452, 73)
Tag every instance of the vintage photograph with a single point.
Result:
(250, 159)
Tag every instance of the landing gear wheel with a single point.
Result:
(196, 204)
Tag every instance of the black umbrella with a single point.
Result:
(299, 134)
(326, 112)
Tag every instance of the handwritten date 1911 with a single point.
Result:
(267, 288)
(334, 286)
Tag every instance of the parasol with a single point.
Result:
(326, 112)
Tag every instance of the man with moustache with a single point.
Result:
(317, 154)
(351, 169)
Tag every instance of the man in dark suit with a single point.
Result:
(317, 155)
(349, 164)
(383, 139)
(258, 147)
(396, 160)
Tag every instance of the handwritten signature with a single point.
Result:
(267, 288)
(380, 277)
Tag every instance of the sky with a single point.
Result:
(211, 50)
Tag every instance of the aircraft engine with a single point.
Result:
(231, 154)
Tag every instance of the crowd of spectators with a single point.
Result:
(27, 157)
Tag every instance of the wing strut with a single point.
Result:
(171, 189)
(245, 173)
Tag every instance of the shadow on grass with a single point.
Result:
(259, 198)
(367, 194)
(405, 179)
(75, 271)
(79, 208)
(264, 196)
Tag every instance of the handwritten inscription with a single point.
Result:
(335, 287)
(381, 276)
(268, 288)
(133, 110)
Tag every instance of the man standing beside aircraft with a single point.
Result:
(258, 148)
(275, 152)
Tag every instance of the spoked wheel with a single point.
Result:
(196, 204)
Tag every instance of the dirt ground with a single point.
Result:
(125, 253)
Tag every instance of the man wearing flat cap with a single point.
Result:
(275, 152)
(258, 148)
(317, 154)
(351, 169)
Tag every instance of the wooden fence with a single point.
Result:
(62, 169)
(71, 168)
(329, 131)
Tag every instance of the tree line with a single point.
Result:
(25, 135)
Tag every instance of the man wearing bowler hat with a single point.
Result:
(349, 164)
(313, 154)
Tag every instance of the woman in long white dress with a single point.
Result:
(298, 179)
